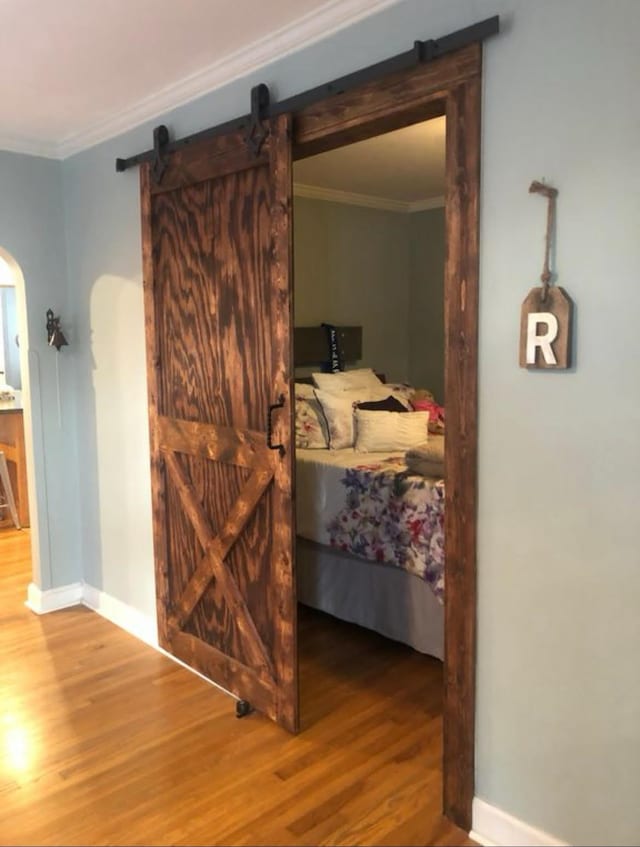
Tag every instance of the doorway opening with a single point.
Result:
(450, 87)
(16, 415)
(369, 248)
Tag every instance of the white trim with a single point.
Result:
(334, 195)
(136, 623)
(493, 828)
(323, 22)
(126, 617)
(29, 146)
(351, 198)
(41, 602)
(121, 614)
(426, 205)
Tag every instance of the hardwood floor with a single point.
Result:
(105, 741)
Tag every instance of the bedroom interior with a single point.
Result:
(368, 245)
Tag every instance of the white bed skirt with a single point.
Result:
(383, 598)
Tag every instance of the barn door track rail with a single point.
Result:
(252, 125)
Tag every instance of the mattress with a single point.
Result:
(369, 506)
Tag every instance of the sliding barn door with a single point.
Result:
(217, 265)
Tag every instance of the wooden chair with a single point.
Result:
(6, 492)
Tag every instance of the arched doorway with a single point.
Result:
(18, 367)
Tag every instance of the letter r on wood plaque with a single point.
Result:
(545, 329)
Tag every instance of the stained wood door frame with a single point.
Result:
(449, 86)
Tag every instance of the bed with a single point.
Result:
(370, 543)
(369, 533)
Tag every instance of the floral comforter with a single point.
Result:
(372, 507)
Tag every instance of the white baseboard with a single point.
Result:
(133, 621)
(121, 614)
(494, 828)
(41, 602)
(79, 593)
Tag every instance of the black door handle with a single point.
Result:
(271, 409)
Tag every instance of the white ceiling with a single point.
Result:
(74, 72)
(401, 170)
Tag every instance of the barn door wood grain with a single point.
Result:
(217, 257)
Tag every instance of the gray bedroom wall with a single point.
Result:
(426, 300)
(379, 269)
(32, 234)
(351, 267)
(558, 576)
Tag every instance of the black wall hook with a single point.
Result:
(55, 336)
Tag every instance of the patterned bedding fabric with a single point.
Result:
(372, 507)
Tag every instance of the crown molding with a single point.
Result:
(29, 146)
(315, 26)
(426, 205)
(350, 198)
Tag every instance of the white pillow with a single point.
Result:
(311, 427)
(346, 380)
(338, 409)
(389, 432)
(338, 414)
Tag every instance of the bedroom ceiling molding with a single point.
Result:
(315, 26)
(428, 203)
(334, 195)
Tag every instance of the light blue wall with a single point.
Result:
(103, 227)
(559, 540)
(32, 233)
(558, 560)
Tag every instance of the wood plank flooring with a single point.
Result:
(103, 740)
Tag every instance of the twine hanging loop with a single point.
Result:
(551, 194)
